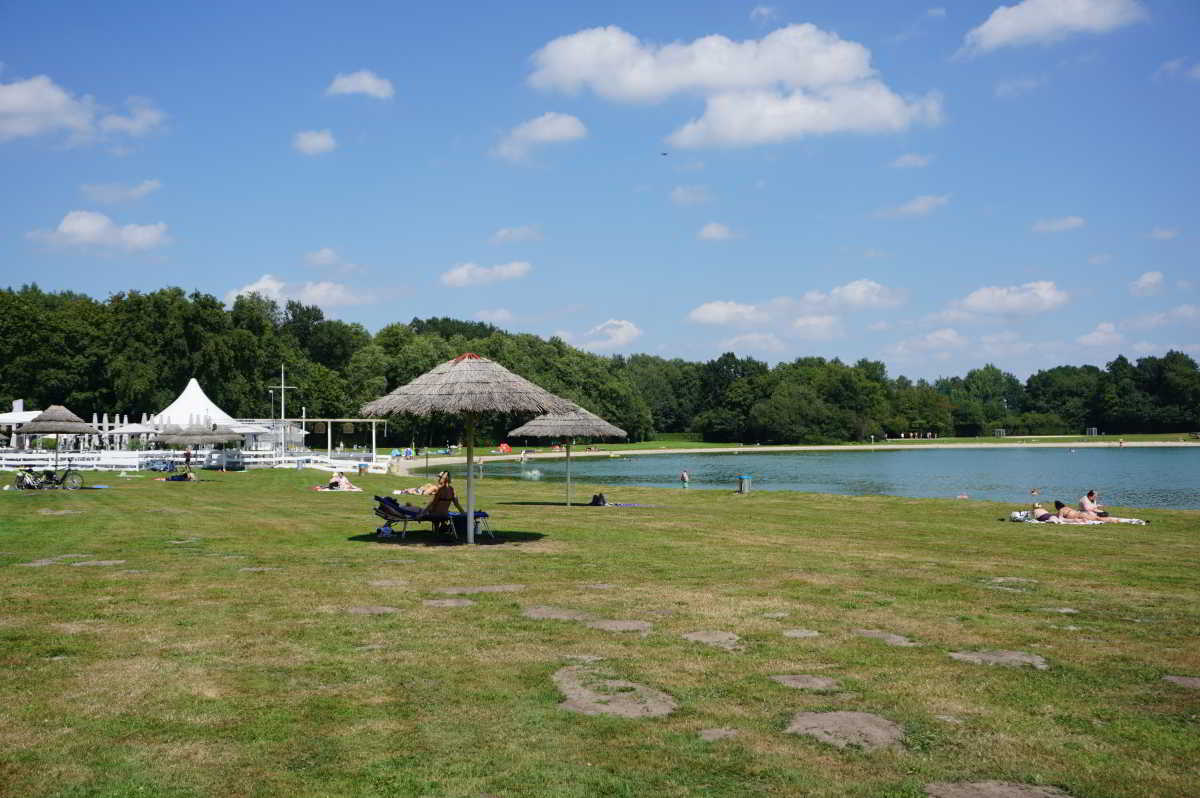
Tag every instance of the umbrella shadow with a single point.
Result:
(427, 538)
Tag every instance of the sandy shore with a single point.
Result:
(487, 457)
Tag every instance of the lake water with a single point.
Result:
(1130, 477)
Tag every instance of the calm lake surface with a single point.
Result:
(1129, 477)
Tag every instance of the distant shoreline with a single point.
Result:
(408, 465)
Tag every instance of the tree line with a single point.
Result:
(135, 351)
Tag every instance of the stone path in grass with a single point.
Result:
(54, 560)
(726, 640)
(542, 612)
(1011, 659)
(886, 637)
(991, 789)
(256, 569)
(1184, 681)
(97, 563)
(607, 625)
(803, 681)
(388, 582)
(451, 602)
(47, 511)
(844, 729)
(589, 691)
(712, 735)
(801, 633)
(460, 591)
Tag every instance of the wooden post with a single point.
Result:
(470, 478)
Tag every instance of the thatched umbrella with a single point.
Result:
(57, 419)
(467, 386)
(577, 423)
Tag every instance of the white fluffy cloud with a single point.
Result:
(795, 81)
(723, 312)
(1163, 234)
(1060, 225)
(325, 294)
(938, 343)
(765, 116)
(314, 142)
(917, 206)
(548, 128)
(813, 314)
(690, 195)
(516, 235)
(612, 334)
(495, 315)
(821, 327)
(92, 230)
(471, 274)
(37, 106)
(329, 258)
(1046, 21)
(113, 193)
(1026, 299)
(714, 231)
(1148, 284)
(363, 81)
(912, 160)
(1105, 335)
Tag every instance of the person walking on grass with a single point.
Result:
(684, 479)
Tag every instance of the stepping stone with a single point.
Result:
(1068, 628)
(590, 692)
(59, 512)
(134, 571)
(1061, 610)
(844, 729)
(774, 615)
(800, 633)
(886, 637)
(544, 613)
(712, 735)
(258, 570)
(388, 582)
(1184, 681)
(97, 563)
(448, 602)
(991, 789)
(1004, 580)
(726, 640)
(599, 586)
(460, 591)
(586, 659)
(805, 682)
(184, 541)
(641, 627)
(949, 719)
(1011, 659)
(371, 610)
(1006, 588)
(38, 563)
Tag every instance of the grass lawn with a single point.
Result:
(231, 651)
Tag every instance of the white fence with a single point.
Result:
(113, 460)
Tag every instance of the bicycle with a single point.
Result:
(28, 479)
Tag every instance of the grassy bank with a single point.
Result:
(228, 653)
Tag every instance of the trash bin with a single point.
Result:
(362, 469)
(743, 483)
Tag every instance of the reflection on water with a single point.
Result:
(1131, 477)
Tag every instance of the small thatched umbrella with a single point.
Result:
(467, 386)
(57, 419)
(577, 423)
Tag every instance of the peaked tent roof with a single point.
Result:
(193, 407)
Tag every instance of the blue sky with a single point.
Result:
(935, 186)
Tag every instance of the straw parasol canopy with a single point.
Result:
(197, 434)
(578, 423)
(57, 419)
(467, 386)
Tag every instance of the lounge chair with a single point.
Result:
(392, 512)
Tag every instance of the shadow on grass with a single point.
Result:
(546, 504)
(427, 538)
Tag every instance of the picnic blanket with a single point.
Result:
(1025, 516)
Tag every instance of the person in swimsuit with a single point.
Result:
(1067, 514)
(438, 508)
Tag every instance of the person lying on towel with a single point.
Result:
(339, 482)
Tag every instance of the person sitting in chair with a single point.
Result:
(438, 509)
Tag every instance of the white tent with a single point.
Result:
(193, 407)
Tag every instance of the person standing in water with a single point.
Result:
(684, 479)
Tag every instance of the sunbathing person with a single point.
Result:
(439, 505)
(338, 482)
(1067, 514)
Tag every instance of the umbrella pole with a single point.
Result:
(568, 472)
(470, 478)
